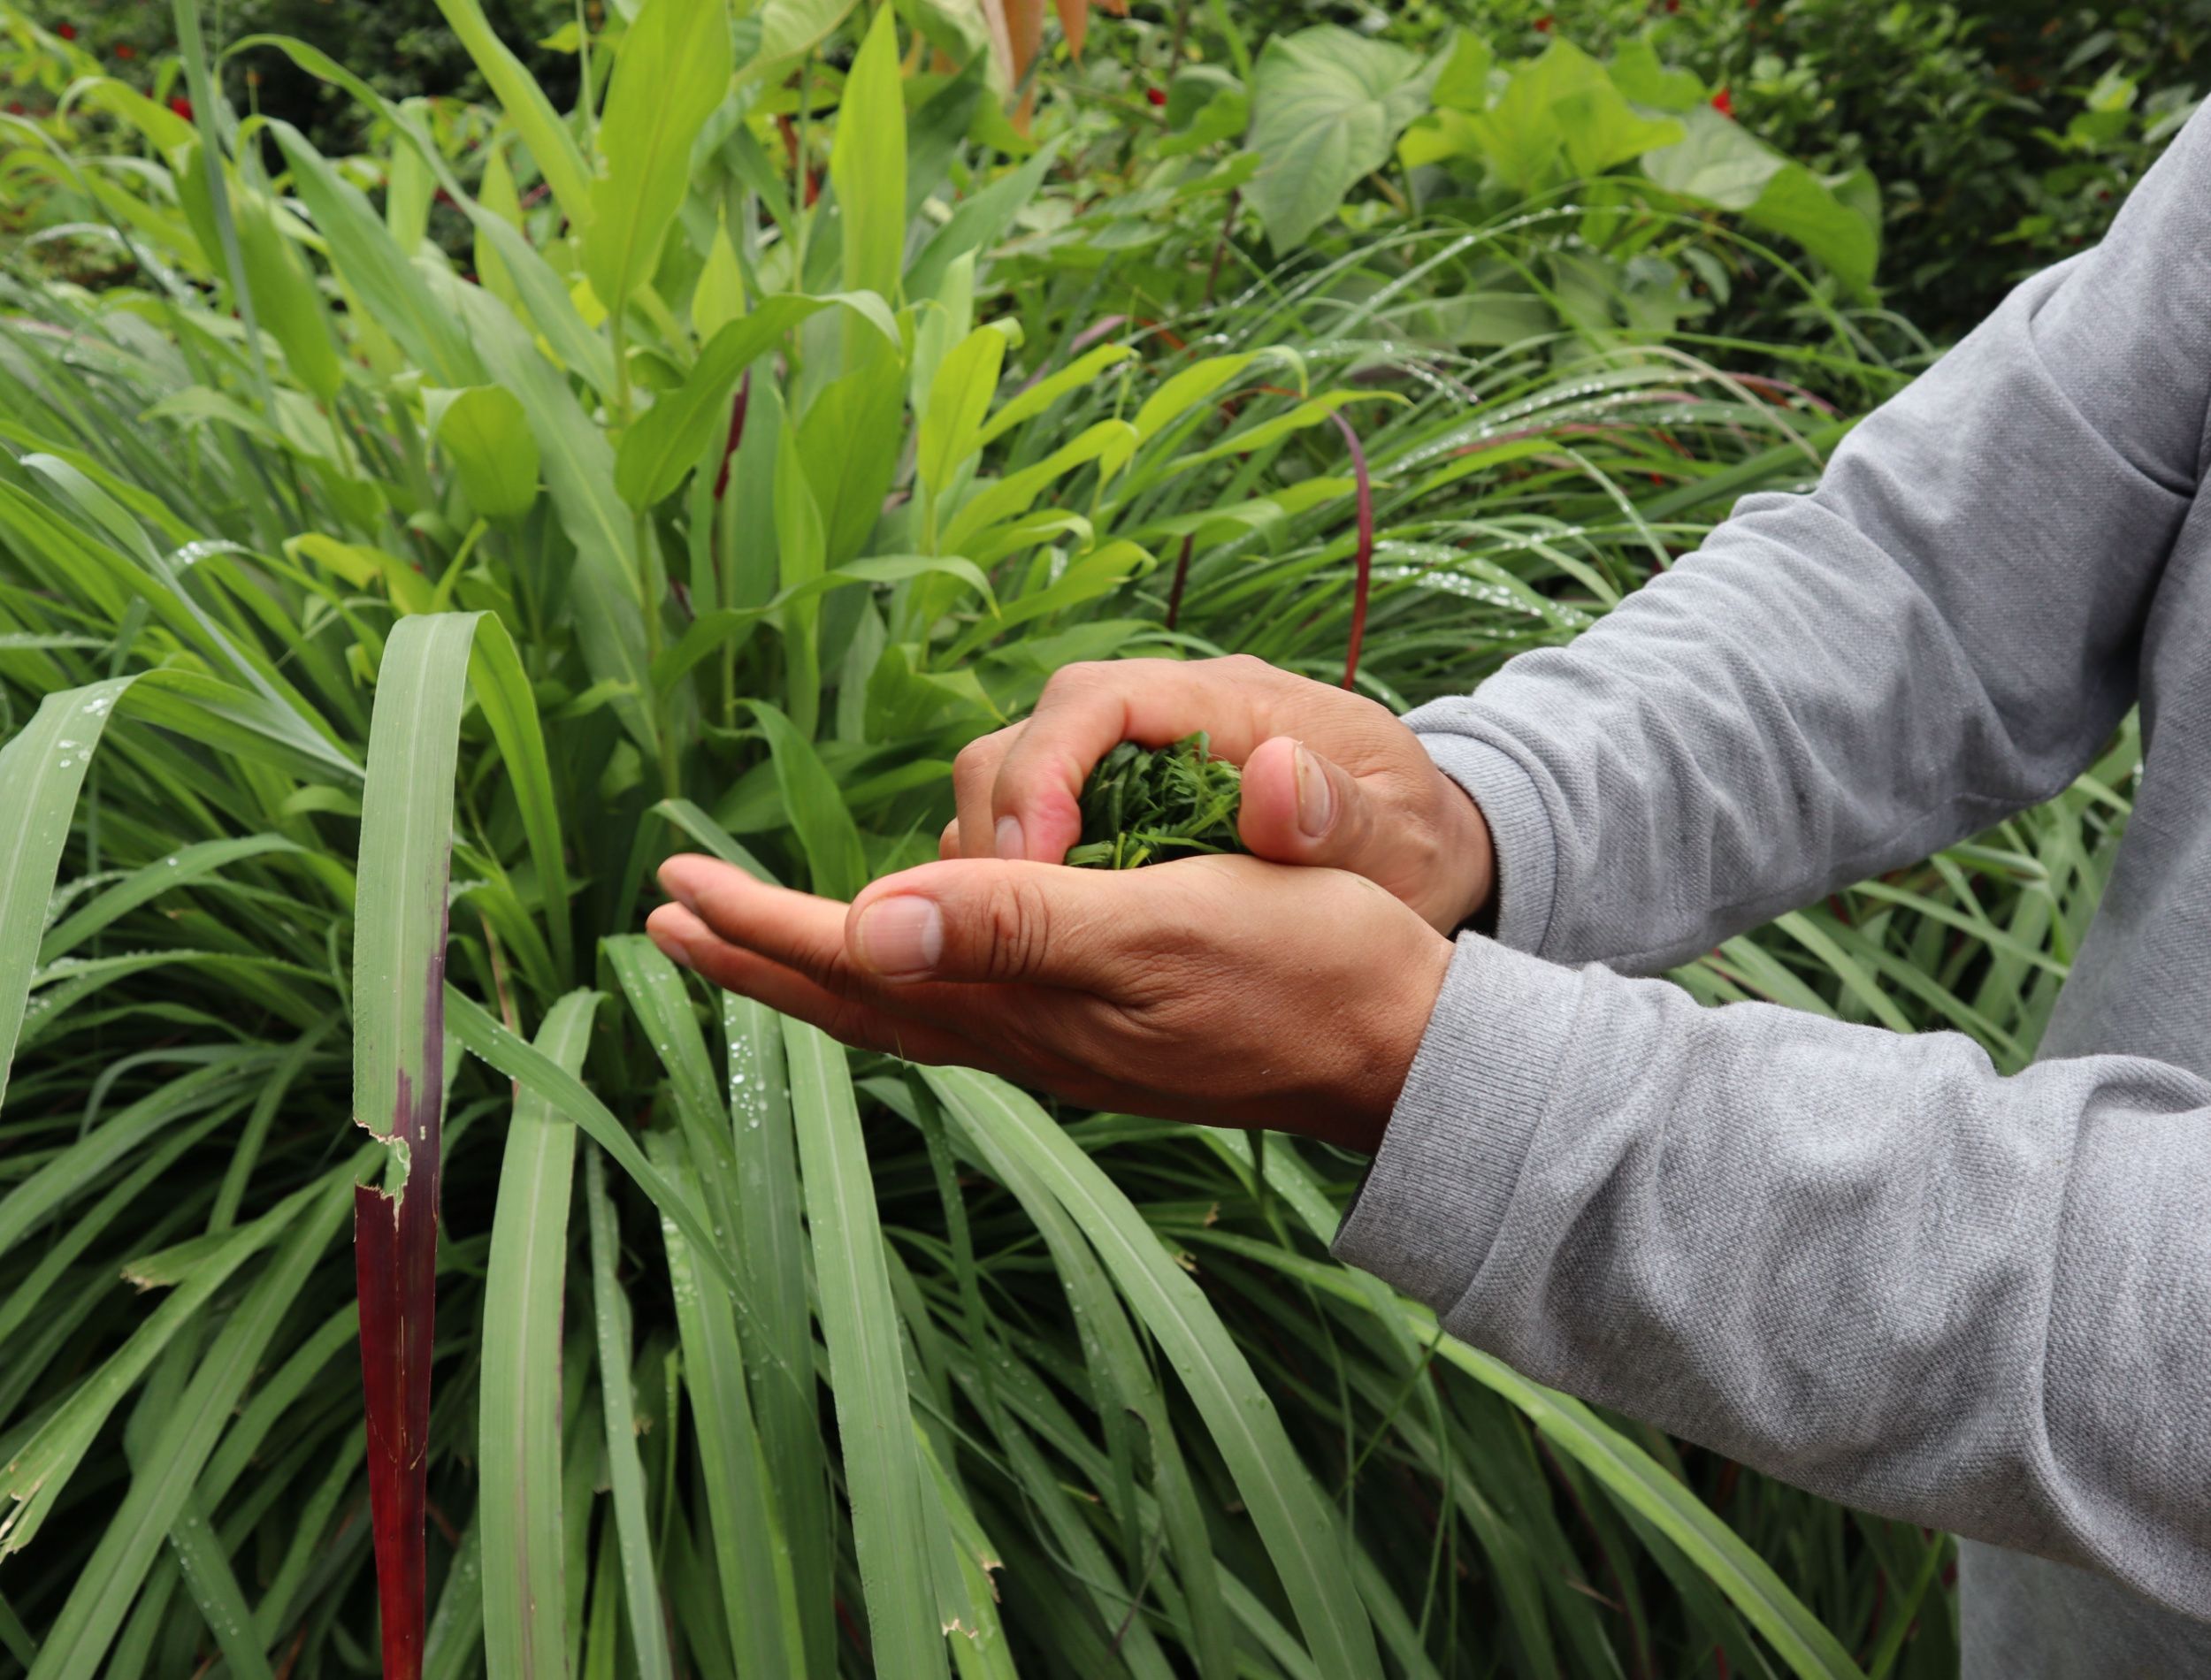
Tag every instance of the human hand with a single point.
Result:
(1220, 989)
(1329, 777)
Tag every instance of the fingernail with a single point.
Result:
(1011, 843)
(1316, 795)
(900, 937)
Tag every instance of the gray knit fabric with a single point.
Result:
(1865, 1262)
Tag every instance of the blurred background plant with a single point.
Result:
(594, 433)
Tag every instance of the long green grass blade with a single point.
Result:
(518, 1412)
(1302, 1535)
(41, 772)
(883, 1473)
(610, 1313)
(752, 1562)
(771, 1254)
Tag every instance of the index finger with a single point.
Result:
(1087, 710)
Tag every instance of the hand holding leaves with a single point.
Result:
(1327, 778)
(1220, 989)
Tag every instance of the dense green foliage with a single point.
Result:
(700, 453)
(1152, 805)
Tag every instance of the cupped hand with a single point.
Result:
(1329, 777)
(1222, 990)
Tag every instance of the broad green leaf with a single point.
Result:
(501, 690)
(486, 437)
(1638, 73)
(860, 1324)
(719, 297)
(867, 163)
(541, 130)
(711, 834)
(834, 857)
(1462, 82)
(518, 1408)
(515, 272)
(672, 71)
(1722, 165)
(958, 397)
(285, 296)
(1560, 116)
(1327, 105)
(578, 471)
(709, 631)
(851, 439)
(979, 221)
(1185, 389)
(375, 269)
(788, 28)
(1310, 412)
(1029, 403)
(802, 552)
(668, 439)
(1109, 443)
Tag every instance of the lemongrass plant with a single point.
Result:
(367, 631)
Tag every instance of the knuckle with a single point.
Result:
(1072, 682)
(1018, 930)
(971, 771)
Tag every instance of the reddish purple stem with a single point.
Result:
(1182, 576)
(736, 432)
(396, 1263)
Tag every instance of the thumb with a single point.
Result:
(993, 921)
(1299, 807)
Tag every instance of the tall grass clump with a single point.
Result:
(403, 1265)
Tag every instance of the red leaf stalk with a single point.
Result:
(1365, 555)
(1182, 576)
(395, 1258)
(736, 432)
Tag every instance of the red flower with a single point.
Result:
(124, 49)
(1543, 24)
(66, 31)
(1155, 95)
(181, 105)
(1722, 104)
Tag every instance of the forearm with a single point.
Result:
(1863, 1261)
(1945, 632)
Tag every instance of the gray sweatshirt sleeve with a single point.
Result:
(1941, 634)
(1865, 1262)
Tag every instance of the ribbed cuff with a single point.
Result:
(1519, 832)
(1433, 1201)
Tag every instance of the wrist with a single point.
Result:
(1398, 1029)
(1469, 860)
